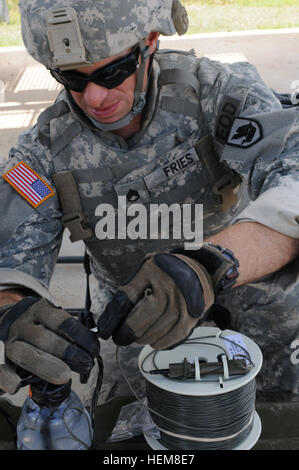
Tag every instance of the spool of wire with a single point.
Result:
(211, 406)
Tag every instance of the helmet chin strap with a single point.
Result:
(139, 96)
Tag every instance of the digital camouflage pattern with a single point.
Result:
(267, 311)
(108, 27)
(106, 166)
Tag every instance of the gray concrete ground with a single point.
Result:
(27, 89)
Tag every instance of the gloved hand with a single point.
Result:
(44, 340)
(161, 305)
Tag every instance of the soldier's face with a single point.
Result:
(103, 104)
(109, 105)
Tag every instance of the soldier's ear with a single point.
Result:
(152, 41)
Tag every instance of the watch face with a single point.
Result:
(232, 273)
(216, 255)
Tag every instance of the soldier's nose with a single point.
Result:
(95, 94)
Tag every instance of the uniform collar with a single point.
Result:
(109, 137)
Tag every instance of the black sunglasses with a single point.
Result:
(110, 76)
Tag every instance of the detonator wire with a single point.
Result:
(197, 340)
(228, 416)
(219, 422)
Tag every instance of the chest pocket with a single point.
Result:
(169, 179)
(189, 173)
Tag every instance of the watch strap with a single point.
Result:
(219, 262)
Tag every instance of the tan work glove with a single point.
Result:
(161, 305)
(45, 340)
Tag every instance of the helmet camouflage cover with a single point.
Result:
(72, 33)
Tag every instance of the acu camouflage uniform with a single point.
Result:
(188, 99)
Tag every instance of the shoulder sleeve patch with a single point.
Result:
(28, 184)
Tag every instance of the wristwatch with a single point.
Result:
(231, 272)
(219, 262)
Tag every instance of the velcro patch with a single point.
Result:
(28, 184)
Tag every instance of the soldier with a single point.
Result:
(127, 112)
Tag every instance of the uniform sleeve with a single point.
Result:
(277, 203)
(30, 237)
(257, 138)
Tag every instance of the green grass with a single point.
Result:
(246, 3)
(14, 15)
(10, 34)
(205, 16)
(238, 15)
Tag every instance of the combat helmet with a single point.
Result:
(67, 34)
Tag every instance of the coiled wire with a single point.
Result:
(218, 422)
(213, 422)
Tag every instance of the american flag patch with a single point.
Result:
(29, 184)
